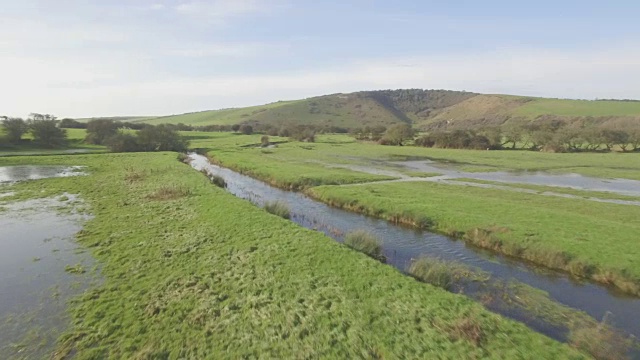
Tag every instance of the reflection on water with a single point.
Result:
(10, 174)
(574, 181)
(36, 244)
(403, 244)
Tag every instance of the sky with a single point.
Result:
(75, 58)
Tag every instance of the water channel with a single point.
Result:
(402, 244)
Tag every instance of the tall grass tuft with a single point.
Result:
(278, 208)
(432, 271)
(602, 341)
(449, 275)
(170, 192)
(365, 242)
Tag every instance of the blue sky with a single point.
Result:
(156, 57)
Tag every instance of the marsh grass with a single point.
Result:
(75, 269)
(170, 192)
(216, 180)
(365, 242)
(133, 175)
(278, 208)
(445, 274)
(468, 328)
(601, 341)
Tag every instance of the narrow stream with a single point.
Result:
(402, 244)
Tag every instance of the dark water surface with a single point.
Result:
(36, 245)
(402, 244)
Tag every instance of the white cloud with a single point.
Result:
(227, 50)
(219, 11)
(157, 7)
(107, 90)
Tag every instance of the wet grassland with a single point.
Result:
(586, 238)
(190, 271)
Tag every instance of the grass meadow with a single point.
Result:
(190, 271)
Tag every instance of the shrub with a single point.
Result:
(218, 181)
(278, 208)
(432, 271)
(601, 342)
(47, 134)
(264, 140)
(99, 130)
(14, 129)
(246, 129)
(365, 242)
(122, 142)
(161, 138)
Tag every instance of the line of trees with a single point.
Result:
(43, 128)
(148, 138)
(552, 136)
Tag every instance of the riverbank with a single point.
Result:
(584, 238)
(192, 271)
(587, 239)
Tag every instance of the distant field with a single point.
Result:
(119, 118)
(217, 117)
(579, 108)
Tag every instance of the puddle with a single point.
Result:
(10, 174)
(36, 245)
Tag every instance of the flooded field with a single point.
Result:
(41, 266)
(10, 174)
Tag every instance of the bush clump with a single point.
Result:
(278, 208)
(365, 242)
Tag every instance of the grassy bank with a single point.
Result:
(588, 239)
(193, 272)
(342, 149)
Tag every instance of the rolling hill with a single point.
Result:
(425, 109)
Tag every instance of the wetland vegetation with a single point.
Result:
(208, 271)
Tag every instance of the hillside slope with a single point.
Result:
(425, 109)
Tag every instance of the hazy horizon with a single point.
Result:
(139, 58)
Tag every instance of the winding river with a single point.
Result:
(402, 244)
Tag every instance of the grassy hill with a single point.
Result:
(426, 109)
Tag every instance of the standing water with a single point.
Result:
(402, 244)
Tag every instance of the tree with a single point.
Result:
(14, 129)
(161, 138)
(397, 134)
(68, 123)
(46, 133)
(246, 129)
(122, 142)
(99, 130)
(235, 127)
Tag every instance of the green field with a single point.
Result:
(190, 271)
(343, 150)
(563, 107)
(217, 117)
(586, 238)
(591, 239)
